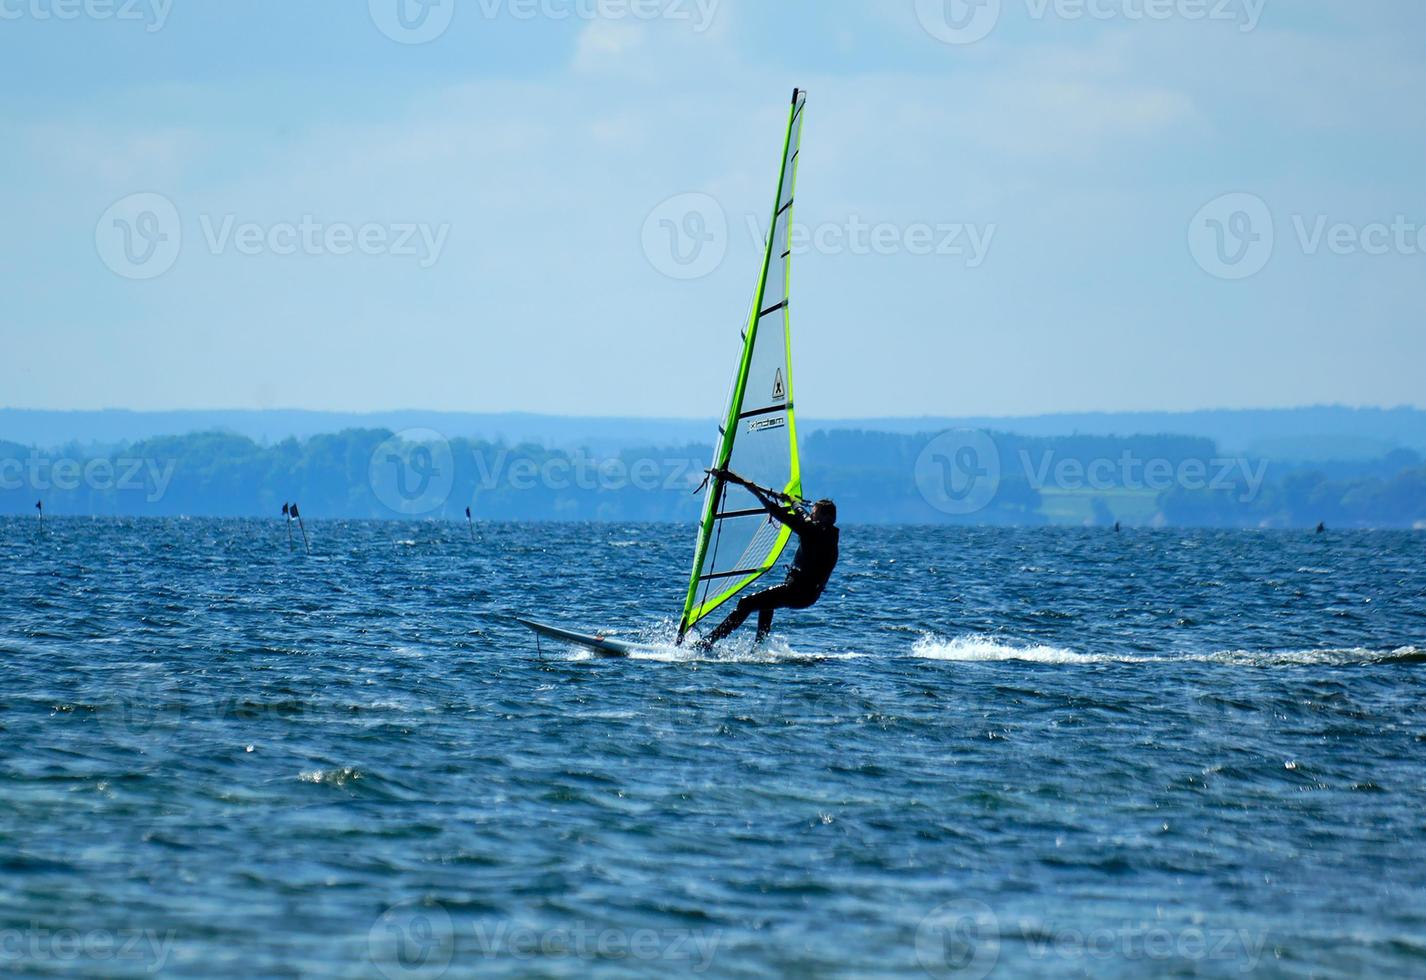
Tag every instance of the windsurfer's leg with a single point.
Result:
(721, 631)
(781, 597)
(790, 596)
(761, 603)
(764, 624)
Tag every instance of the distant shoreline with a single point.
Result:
(1372, 430)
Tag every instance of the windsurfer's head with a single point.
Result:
(824, 512)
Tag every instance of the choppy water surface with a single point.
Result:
(985, 753)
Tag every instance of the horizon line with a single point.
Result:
(699, 419)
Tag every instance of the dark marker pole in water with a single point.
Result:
(287, 513)
(1321, 527)
(40, 506)
(297, 514)
(470, 523)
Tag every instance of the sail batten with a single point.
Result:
(738, 542)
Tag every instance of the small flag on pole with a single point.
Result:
(305, 543)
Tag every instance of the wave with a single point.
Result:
(658, 644)
(1332, 657)
(984, 648)
(737, 651)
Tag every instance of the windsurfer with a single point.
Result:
(818, 538)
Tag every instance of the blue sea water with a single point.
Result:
(985, 753)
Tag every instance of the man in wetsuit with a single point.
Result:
(811, 566)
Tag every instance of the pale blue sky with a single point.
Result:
(528, 144)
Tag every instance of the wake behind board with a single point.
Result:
(601, 645)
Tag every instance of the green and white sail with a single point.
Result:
(738, 542)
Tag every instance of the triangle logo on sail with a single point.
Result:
(779, 390)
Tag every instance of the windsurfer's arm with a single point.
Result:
(774, 502)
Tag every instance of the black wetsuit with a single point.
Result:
(811, 568)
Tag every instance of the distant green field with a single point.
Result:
(1076, 507)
